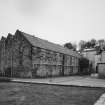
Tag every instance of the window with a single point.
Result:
(70, 60)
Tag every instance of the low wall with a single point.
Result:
(101, 70)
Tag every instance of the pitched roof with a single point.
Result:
(3, 38)
(37, 42)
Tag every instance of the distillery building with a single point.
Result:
(24, 55)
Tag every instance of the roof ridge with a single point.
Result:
(45, 44)
(42, 39)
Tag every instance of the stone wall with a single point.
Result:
(101, 65)
(101, 70)
(20, 59)
(16, 56)
(45, 62)
(2, 55)
(49, 63)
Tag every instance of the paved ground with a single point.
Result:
(72, 80)
(101, 100)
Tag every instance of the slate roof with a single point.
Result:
(37, 42)
(89, 50)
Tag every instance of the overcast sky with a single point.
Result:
(58, 21)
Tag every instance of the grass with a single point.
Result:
(38, 94)
(5, 79)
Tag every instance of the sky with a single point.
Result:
(58, 21)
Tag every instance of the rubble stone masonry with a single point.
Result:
(19, 58)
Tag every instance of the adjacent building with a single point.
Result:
(24, 55)
(101, 65)
(92, 56)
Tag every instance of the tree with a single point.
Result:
(74, 46)
(93, 43)
(88, 44)
(104, 47)
(98, 50)
(101, 43)
(70, 46)
(82, 44)
(100, 46)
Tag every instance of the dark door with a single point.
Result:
(62, 72)
(8, 72)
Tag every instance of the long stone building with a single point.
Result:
(24, 55)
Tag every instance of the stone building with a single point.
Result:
(92, 56)
(101, 65)
(24, 55)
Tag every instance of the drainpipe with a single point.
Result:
(11, 58)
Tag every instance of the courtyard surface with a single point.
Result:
(86, 81)
(12, 93)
